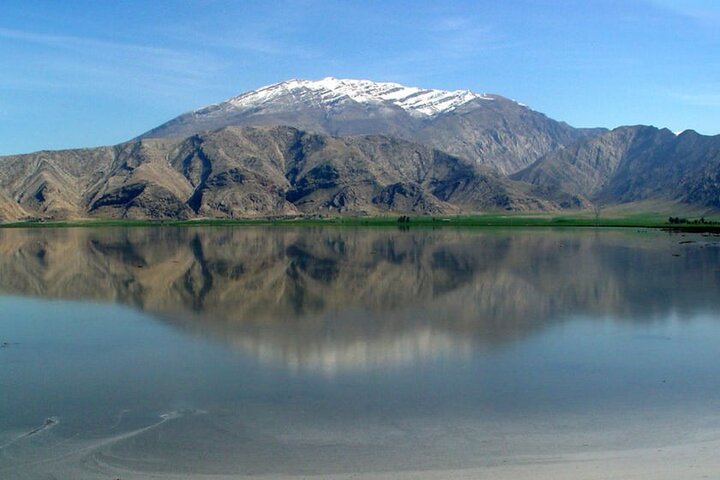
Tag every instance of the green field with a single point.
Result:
(646, 220)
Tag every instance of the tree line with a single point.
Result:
(687, 221)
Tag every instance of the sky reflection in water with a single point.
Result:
(457, 345)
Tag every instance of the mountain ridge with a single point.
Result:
(238, 172)
(339, 146)
(489, 129)
(634, 163)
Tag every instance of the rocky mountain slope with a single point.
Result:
(253, 171)
(488, 129)
(359, 147)
(631, 164)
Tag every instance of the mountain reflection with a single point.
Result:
(337, 298)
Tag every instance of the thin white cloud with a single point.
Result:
(255, 41)
(459, 37)
(697, 95)
(67, 41)
(443, 44)
(707, 99)
(274, 32)
(581, 62)
(451, 24)
(702, 11)
(63, 60)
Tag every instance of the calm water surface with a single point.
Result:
(130, 352)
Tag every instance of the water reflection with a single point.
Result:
(334, 299)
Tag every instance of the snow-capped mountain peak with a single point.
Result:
(328, 91)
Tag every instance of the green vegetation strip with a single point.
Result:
(637, 221)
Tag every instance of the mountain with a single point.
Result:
(364, 148)
(488, 129)
(240, 172)
(631, 164)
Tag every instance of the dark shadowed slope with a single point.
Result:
(253, 171)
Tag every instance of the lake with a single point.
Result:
(219, 352)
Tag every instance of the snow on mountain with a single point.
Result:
(329, 91)
(491, 130)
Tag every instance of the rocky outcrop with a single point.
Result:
(254, 171)
(631, 164)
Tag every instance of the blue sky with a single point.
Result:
(87, 73)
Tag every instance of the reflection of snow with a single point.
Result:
(329, 357)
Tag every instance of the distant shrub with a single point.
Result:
(697, 221)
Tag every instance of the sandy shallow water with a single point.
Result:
(358, 354)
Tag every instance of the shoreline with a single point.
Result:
(695, 459)
(650, 221)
